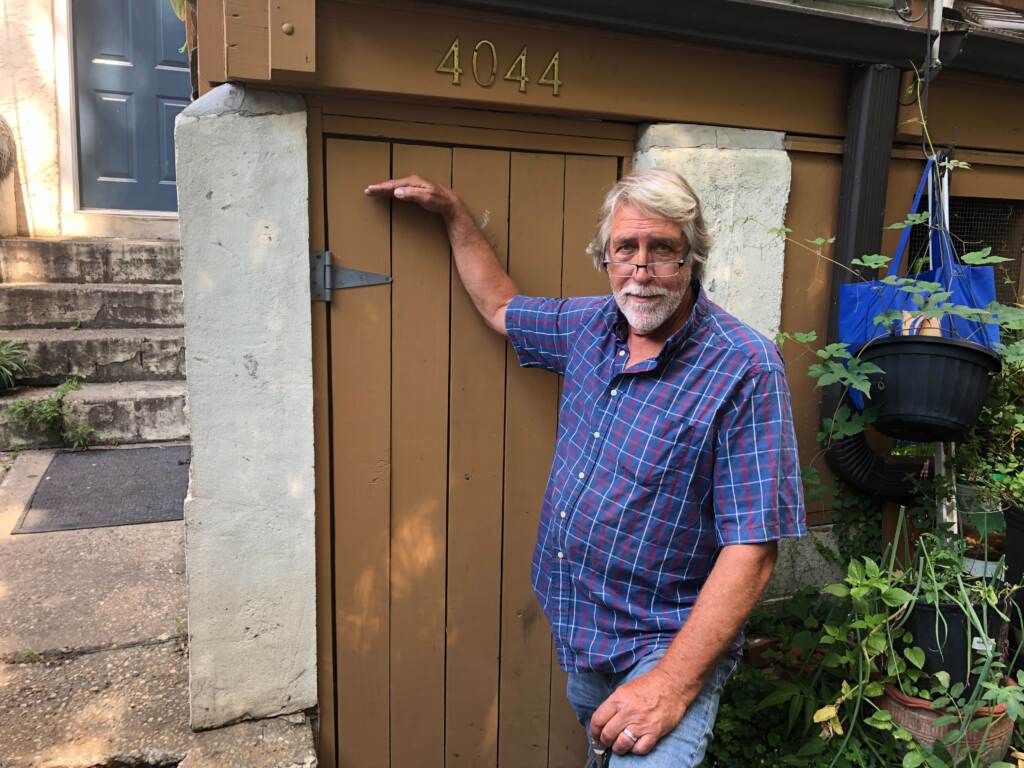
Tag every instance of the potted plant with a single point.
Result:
(13, 363)
(918, 663)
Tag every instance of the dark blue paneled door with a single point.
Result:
(131, 83)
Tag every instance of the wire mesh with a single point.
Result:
(975, 223)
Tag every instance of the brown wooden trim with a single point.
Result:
(475, 137)
(972, 156)
(425, 112)
(247, 38)
(813, 144)
(293, 35)
(210, 28)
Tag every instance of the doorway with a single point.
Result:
(131, 81)
(433, 650)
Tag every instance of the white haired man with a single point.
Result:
(675, 471)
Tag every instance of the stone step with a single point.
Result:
(98, 260)
(97, 305)
(129, 412)
(101, 355)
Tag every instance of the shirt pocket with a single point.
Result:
(661, 455)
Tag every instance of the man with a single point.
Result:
(674, 475)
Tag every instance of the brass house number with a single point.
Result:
(485, 67)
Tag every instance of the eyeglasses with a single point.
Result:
(654, 268)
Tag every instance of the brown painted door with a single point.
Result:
(440, 449)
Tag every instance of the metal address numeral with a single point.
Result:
(450, 63)
(494, 64)
(520, 62)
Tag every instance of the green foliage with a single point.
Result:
(992, 456)
(78, 436)
(178, 6)
(13, 363)
(912, 220)
(46, 414)
(872, 261)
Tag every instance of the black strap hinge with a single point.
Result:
(325, 277)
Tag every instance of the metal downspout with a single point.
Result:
(871, 126)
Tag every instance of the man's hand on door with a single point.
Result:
(435, 198)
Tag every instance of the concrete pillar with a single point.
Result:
(243, 202)
(742, 178)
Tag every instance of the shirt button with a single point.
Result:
(581, 475)
(622, 353)
(562, 513)
(614, 392)
(597, 434)
(561, 555)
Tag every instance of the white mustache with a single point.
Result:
(644, 290)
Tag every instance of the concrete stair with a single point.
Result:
(107, 313)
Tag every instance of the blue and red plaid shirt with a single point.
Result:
(655, 470)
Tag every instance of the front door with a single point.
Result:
(131, 81)
(440, 450)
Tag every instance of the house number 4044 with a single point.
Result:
(485, 67)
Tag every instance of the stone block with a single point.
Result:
(96, 260)
(743, 193)
(64, 305)
(101, 355)
(243, 206)
(801, 564)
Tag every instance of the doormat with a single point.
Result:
(102, 488)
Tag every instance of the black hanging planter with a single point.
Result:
(931, 388)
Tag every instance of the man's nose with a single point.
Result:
(643, 274)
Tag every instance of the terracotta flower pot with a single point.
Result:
(918, 717)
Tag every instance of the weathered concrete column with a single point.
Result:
(243, 202)
(742, 178)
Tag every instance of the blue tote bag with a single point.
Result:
(970, 286)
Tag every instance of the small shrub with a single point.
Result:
(13, 363)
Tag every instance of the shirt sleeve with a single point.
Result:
(758, 491)
(542, 330)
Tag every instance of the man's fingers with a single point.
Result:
(613, 728)
(388, 186)
(623, 744)
(600, 719)
(645, 744)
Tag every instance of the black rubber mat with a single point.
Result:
(101, 488)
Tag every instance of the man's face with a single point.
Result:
(646, 300)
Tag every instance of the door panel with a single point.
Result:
(534, 262)
(360, 351)
(131, 82)
(421, 269)
(476, 459)
(440, 451)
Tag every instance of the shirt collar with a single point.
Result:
(620, 326)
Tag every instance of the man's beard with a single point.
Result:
(645, 317)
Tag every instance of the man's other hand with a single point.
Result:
(649, 706)
(435, 198)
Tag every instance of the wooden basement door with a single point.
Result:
(440, 451)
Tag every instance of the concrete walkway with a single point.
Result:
(93, 651)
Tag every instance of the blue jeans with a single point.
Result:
(682, 747)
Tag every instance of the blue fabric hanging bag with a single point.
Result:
(970, 286)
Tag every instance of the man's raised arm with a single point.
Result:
(487, 283)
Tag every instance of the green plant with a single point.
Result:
(872, 647)
(13, 363)
(78, 436)
(47, 413)
(992, 456)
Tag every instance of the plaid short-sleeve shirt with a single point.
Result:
(655, 470)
